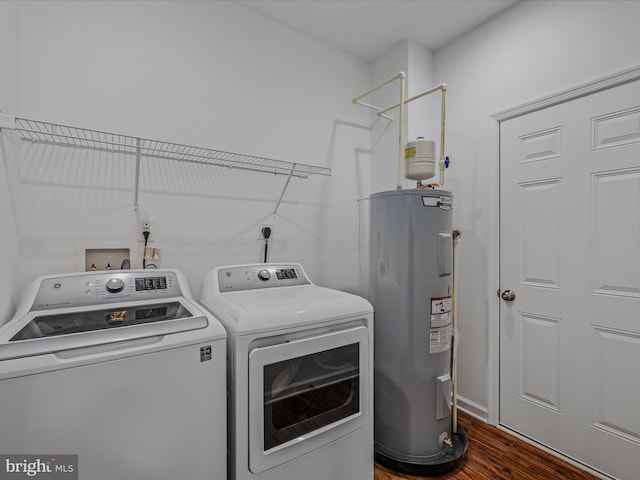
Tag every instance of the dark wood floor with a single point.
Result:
(496, 455)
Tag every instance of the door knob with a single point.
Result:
(508, 295)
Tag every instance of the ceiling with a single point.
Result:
(367, 29)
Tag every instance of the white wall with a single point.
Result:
(209, 74)
(9, 66)
(384, 132)
(533, 49)
(9, 54)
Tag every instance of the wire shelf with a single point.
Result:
(55, 134)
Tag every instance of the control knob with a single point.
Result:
(264, 275)
(115, 285)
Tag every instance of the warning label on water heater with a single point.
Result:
(440, 311)
(440, 339)
(440, 325)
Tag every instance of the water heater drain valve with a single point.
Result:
(445, 440)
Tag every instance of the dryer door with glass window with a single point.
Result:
(306, 393)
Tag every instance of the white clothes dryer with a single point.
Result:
(300, 374)
(122, 369)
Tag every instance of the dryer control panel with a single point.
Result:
(105, 287)
(252, 277)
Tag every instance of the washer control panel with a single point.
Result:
(104, 287)
(252, 277)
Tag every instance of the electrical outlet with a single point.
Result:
(146, 221)
(261, 230)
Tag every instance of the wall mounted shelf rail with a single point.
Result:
(35, 131)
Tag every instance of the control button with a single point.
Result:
(115, 285)
(264, 275)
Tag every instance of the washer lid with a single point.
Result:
(255, 311)
(174, 322)
(59, 324)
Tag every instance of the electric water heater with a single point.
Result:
(411, 268)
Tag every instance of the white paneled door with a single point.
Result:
(570, 278)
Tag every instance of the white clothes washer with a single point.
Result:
(300, 374)
(122, 369)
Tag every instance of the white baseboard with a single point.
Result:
(474, 409)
